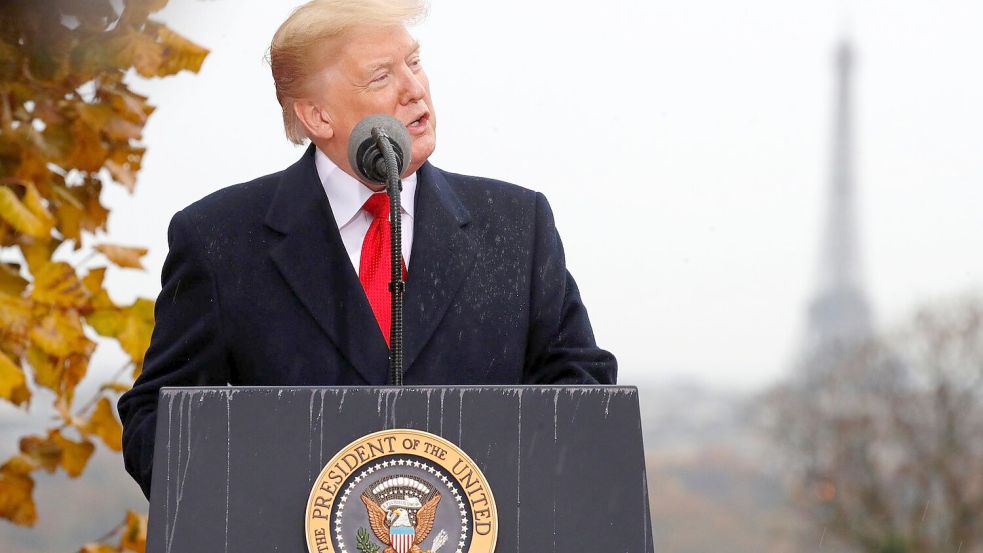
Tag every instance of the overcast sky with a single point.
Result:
(682, 145)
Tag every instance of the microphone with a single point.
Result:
(379, 150)
(364, 153)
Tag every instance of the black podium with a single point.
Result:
(234, 468)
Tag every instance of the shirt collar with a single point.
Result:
(346, 195)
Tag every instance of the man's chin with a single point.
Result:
(421, 152)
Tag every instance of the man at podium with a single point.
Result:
(276, 282)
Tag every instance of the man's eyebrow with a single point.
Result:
(378, 64)
(386, 62)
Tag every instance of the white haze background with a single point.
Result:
(683, 146)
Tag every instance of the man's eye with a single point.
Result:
(415, 63)
(381, 78)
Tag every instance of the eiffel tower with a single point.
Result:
(839, 316)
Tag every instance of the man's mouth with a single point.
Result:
(418, 123)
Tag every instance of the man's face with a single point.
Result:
(374, 70)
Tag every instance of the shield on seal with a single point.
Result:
(402, 538)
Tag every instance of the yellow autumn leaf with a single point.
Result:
(16, 497)
(106, 322)
(75, 455)
(37, 252)
(64, 194)
(99, 298)
(105, 118)
(135, 534)
(19, 216)
(132, 326)
(137, 49)
(16, 316)
(93, 279)
(13, 385)
(136, 329)
(46, 453)
(47, 369)
(87, 194)
(59, 374)
(35, 203)
(60, 334)
(10, 280)
(95, 217)
(122, 130)
(130, 105)
(98, 548)
(124, 163)
(69, 214)
(19, 464)
(9, 51)
(32, 168)
(88, 152)
(122, 174)
(57, 136)
(57, 284)
(73, 371)
(179, 53)
(130, 156)
(103, 424)
(123, 256)
(96, 115)
(150, 6)
(13, 348)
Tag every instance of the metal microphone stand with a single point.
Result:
(397, 286)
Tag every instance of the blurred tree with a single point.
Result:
(886, 446)
(68, 124)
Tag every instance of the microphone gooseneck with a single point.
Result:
(379, 150)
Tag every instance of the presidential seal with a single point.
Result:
(401, 491)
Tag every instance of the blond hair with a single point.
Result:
(292, 53)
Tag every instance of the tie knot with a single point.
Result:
(378, 205)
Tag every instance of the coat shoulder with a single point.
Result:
(493, 199)
(469, 185)
(235, 206)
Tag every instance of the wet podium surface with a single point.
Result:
(234, 467)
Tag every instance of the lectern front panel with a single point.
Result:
(234, 467)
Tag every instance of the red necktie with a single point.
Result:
(374, 267)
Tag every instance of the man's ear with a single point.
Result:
(315, 119)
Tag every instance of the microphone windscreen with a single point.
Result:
(363, 155)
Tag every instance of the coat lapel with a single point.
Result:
(442, 256)
(312, 259)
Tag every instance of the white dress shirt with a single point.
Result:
(347, 196)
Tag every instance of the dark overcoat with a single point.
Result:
(257, 289)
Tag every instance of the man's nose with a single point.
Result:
(412, 89)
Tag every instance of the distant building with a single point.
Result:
(839, 316)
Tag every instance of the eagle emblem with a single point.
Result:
(401, 512)
(421, 494)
